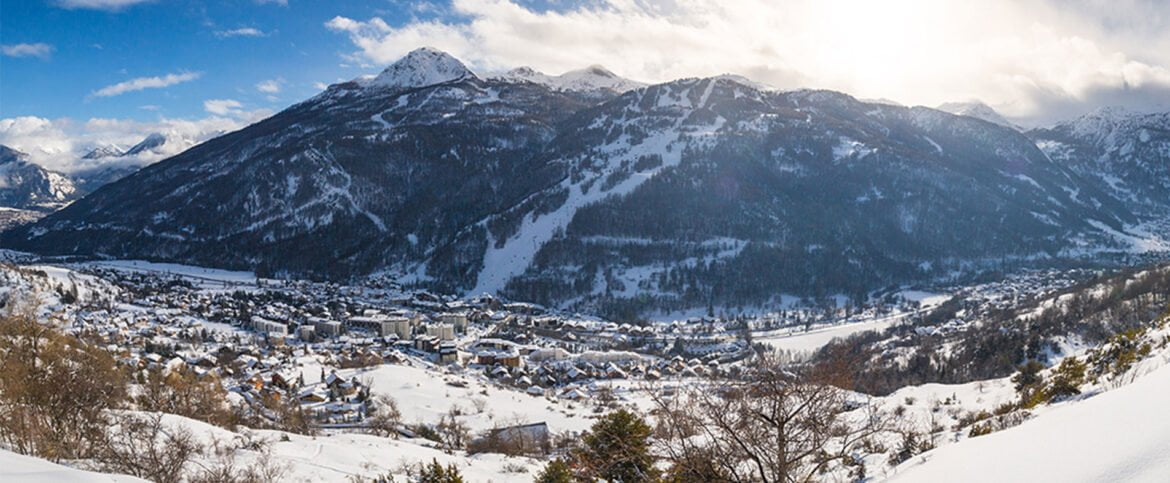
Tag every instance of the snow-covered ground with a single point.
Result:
(426, 396)
(27, 469)
(800, 341)
(207, 276)
(1119, 435)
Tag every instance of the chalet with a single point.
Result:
(489, 352)
(448, 352)
(426, 343)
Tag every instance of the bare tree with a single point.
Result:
(141, 445)
(454, 433)
(771, 426)
(384, 418)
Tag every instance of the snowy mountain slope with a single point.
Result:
(105, 151)
(1124, 153)
(353, 180)
(1115, 436)
(697, 191)
(421, 67)
(27, 186)
(737, 179)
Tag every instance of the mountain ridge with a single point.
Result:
(682, 194)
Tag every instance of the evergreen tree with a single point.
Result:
(557, 471)
(617, 448)
(436, 473)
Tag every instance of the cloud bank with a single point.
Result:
(1027, 58)
(59, 144)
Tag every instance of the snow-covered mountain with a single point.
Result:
(1125, 153)
(977, 110)
(592, 79)
(151, 143)
(27, 186)
(683, 194)
(421, 67)
(104, 151)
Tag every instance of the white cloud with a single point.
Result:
(240, 32)
(59, 144)
(222, 107)
(283, 3)
(320, 86)
(1015, 55)
(271, 86)
(99, 4)
(141, 83)
(41, 50)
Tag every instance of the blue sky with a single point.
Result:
(95, 48)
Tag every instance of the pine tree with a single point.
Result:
(617, 448)
(557, 471)
(436, 473)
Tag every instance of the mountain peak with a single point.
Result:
(422, 67)
(9, 155)
(103, 151)
(150, 143)
(977, 109)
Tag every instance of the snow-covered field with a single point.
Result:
(209, 277)
(800, 341)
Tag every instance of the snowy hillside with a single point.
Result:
(28, 469)
(1124, 152)
(1114, 436)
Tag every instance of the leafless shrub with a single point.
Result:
(141, 445)
(384, 418)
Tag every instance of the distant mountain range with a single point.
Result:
(27, 186)
(587, 191)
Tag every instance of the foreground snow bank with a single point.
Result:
(1120, 435)
(16, 467)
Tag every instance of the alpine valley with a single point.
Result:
(593, 193)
